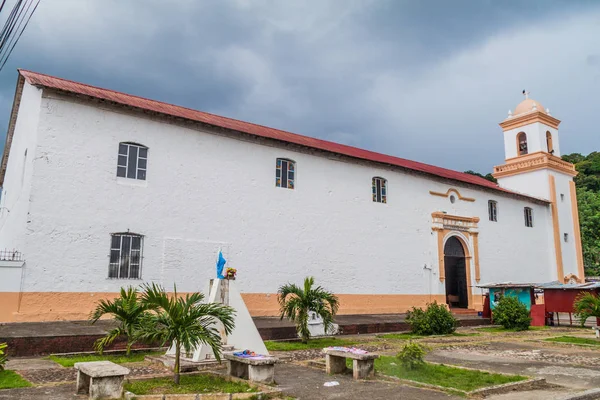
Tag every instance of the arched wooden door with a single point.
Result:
(456, 273)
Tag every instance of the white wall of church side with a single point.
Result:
(14, 205)
(206, 192)
(565, 217)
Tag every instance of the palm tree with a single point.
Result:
(184, 321)
(587, 305)
(295, 303)
(127, 311)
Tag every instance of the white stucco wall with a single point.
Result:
(17, 183)
(565, 218)
(206, 192)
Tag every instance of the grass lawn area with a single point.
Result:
(499, 329)
(410, 336)
(312, 344)
(574, 340)
(10, 379)
(443, 375)
(203, 383)
(70, 360)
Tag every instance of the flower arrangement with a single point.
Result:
(230, 273)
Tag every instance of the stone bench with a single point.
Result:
(363, 365)
(254, 369)
(100, 379)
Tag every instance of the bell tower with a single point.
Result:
(533, 167)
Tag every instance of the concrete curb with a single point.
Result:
(591, 394)
(529, 384)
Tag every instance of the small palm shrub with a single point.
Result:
(3, 358)
(411, 355)
(587, 305)
(184, 321)
(511, 314)
(295, 302)
(434, 320)
(127, 310)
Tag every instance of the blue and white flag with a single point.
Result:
(220, 265)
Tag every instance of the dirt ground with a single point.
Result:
(570, 368)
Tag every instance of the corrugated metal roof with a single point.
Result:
(48, 81)
(506, 285)
(570, 286)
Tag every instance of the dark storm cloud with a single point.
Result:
(421, 80)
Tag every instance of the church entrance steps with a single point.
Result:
(42, 338)
(464, 311)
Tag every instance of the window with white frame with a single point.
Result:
(125, 256)
(285, 173)
(493, 210)
(133, 161)
(379, 188)
(528, 217)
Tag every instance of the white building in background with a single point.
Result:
(103, 189)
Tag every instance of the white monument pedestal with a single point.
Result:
(244, 335)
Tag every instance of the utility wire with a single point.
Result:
(8, 40)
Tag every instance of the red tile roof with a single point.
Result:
(38, 79)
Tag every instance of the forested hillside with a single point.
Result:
(588, 199)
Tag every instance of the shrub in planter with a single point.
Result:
(412, 355)
(434, 320)
(511, 314)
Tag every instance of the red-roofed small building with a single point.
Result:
(102, 189)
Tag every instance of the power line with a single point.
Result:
(11, 31)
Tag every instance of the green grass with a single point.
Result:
(574, 340)
(410, 336)
(69, 361)
(443, 375)
(10, 380)
(500, 329)
(312, 344)
(203, 383)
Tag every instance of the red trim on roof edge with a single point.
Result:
(48, 81)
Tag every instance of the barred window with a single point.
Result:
(125, 256)
(528, 217)
(285, 173)
(493, 210)
(379, 190)
(133, 161)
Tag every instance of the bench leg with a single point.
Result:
(334, 364)
(237, 369)
(261, 373)
(363, 369)
(83, 383)
(110, 387)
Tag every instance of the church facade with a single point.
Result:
(103, 190)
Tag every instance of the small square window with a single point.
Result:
(562, 197)
(566, 237)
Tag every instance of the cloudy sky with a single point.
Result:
(424, 80)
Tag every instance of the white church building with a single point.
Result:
(102, 189)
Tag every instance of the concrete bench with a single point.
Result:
(363, 365)
(100, 379)
(254, 369)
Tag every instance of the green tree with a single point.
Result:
(296, 302)
(127, 311)
(587, 305)
(488, 176)
(185, 322)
